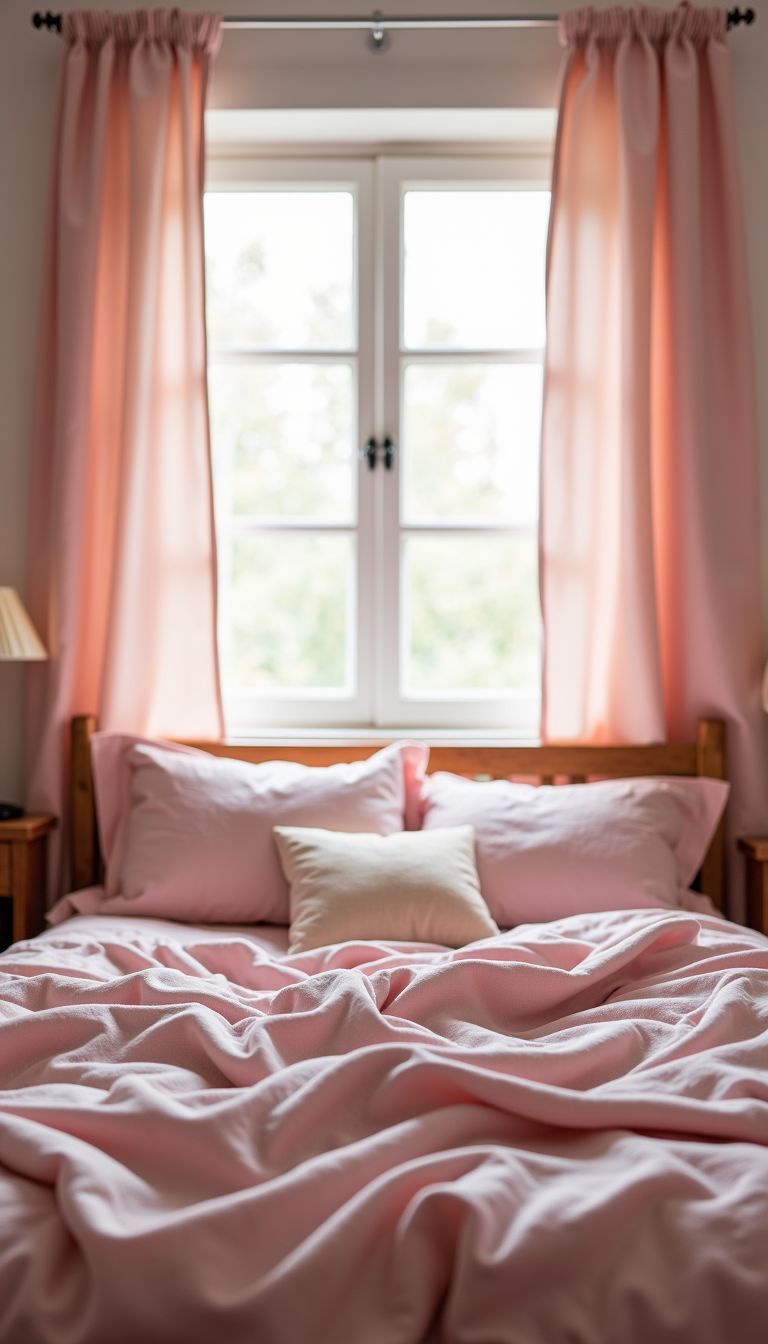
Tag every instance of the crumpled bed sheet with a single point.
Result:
(556, 1136)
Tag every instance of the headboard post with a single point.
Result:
(86, 864)
(710, 761)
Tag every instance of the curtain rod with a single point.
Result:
(378, 26)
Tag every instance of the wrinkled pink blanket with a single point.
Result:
(557, 1135)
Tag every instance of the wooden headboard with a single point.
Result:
(549, 764)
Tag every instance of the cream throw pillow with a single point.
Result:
(415, 886)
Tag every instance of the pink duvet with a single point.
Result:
(559, 1136)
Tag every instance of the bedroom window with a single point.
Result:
(355, 305)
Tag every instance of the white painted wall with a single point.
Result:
(441, 70)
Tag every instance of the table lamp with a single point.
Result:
(19, 643)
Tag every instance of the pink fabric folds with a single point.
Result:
(649, 525)
(560, 1134)
(189, 836)
(546, 853)
(122, 557)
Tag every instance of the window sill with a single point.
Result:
(289, 737)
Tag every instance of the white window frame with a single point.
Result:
(516, 713)
(251, 711)
(376, 703)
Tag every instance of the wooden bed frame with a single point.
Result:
(549, 764)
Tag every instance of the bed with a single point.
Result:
(557, 1134)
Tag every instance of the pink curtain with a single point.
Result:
(122, 580)
(649, 523)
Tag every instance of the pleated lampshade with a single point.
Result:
(19, 641)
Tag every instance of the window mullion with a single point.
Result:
(365, 597)
(224, 354)
(387, 552)
(436, 355)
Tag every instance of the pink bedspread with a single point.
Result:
(557, 1135)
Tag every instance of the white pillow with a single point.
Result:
(416, 886)
(549, 852)
(188, 836)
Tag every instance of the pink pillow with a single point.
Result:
(188, 836)
(547, 852)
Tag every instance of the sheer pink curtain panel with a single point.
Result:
(122, 574)
(649, 532)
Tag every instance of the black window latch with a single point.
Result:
(371, 451)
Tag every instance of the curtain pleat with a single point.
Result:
(122, 576)
(649, 502)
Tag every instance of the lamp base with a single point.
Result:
(10, 811)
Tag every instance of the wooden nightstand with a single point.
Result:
(755, 850)
(23, 871)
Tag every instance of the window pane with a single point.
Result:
(471, 443)
(474, 269)
(283, 439)
(471, 615)
(286, 617)
(279, 269)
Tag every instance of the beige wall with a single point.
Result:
(290, 70)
